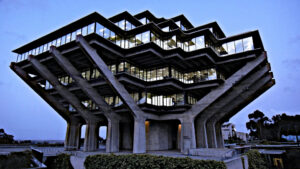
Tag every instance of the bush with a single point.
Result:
(256, 160)
(133, 161)
(16, 160)
(60, 161)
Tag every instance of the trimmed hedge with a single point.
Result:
(60, 161)
(132, 161)
(256, 160)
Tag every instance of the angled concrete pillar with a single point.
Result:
(211, 135)
(188, 139)
(219, 136)
(80, 81)
(113, 136)
(91, 136)
(62, 90)
(139, 136)
(201, 136)
(54, 103)
(126, 136)
(73, 136)
(109, 77)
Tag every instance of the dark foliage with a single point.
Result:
(148, 162)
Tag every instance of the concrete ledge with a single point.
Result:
(212, 152)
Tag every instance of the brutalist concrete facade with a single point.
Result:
(156, 83)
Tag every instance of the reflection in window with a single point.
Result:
(248, 44)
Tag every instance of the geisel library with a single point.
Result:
(156, 83)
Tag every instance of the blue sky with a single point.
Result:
(25, 115)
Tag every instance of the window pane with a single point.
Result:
(248, 44)
(128, 25)
(143, 21)
(238, 46)
(112, 36)
(138, 39)
(200, 42)
(99, 29)
(121, 67)
(192, 45)
(73, 37)
(172, 42)
(91, 28)
(84, 30)
(122, 24)
(231, 48)
(131, 42)
(146, 37)
(106, 33)
(166, 29)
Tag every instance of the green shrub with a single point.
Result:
(132, 161)
(256, 160)
(60, 161)
(16, 160)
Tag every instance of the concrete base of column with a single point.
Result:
(112, 142)
(139, 138)
(91, 137)
(72, 137)
(219, 136)
(201, 135)
(188, 136)
(211, 135)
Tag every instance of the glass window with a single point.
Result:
(99, 29)
(155, 39)
(118, 40)
(58, 42)
(248, 44)
(73, 37)
(78, 32)
(212, 74)
(128, 25)
(45, 47)
(84, 30)
(41, 49)
(122, 24)
(143, 21)
(127, 67)
(131, 42)
(106, 33)
(149, 98)
(54, 42)
(165, 72)
(166, 29)
(91, 28)
(178, 23)
(223, 49)
(146, 37)
(200, 42)
(192, 45)
(231, 47)
(238, 46)
(179, 99)
(138, 39)
(121, 67)
(172, 42)
(159, 74)
(112, 37)
(68, 38)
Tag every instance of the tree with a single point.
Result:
(257, 119)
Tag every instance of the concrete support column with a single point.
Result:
(73, 136)
(91, 136)
(139, 137)
(188, 135)
(219, 136)
(201, 134)
(211, 135)
(113, 135)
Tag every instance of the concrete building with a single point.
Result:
(229, 131)
(156, 83)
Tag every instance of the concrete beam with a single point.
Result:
(188, 138)
(225, 87)
(91, 136)
(63, 91)
(113, 135)
(224, 102)
(139, 136)
(81, 82)
(58, 107)
(109, 77)
(72, 140)
(212, 122)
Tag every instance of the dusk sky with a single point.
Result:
(26, 116)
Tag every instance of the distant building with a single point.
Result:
(229, 132)
(5, 138)
(156, 83)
